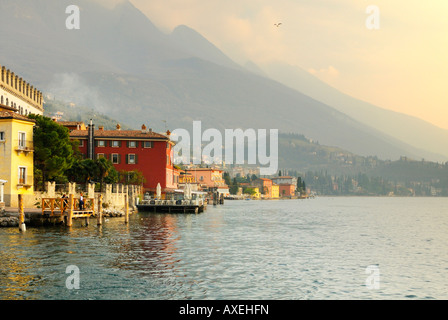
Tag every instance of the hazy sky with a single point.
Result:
(403, 66)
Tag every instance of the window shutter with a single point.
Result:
(136, 159)
(127, 159)
(127, 144)
(119, 158)
(119, 143)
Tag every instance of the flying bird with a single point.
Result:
(277, 24)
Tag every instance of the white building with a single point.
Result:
(18, 94)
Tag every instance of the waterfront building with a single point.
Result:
(287, 190)
(16, 154)
(73, 125)
(265, 186)
(209, 179)
(130, 150)
(18, 94)
(285, 180)
(275, 191)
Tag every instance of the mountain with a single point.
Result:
(195, 44)
(120, 64)
(411, 130)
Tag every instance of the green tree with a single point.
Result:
(53, 152)
(104, 169)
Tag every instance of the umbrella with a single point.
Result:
(158, 191)
(187, 191)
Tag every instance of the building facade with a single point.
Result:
(16, 157)
(287, 190)
(285, 180)
(131, 150)
(265, 186)
(18, 94)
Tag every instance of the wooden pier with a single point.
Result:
(67, 209)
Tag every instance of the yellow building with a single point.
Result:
(16, 157)
(275, 191)
(257, 194)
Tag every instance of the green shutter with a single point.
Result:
(136, 159)
(127, 159)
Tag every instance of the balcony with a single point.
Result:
(24, 146)
(25, 182)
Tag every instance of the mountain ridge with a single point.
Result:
(123, 65)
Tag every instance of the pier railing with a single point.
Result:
(61, 206)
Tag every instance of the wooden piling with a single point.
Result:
(22, 226)
(70, 211)
(126, 208)
(100, 210)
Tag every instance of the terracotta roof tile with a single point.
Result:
(13, 115)
(138, 134)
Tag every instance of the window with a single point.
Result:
(132, 159)
(115, 158)
(2, 136)
(148, 144)
(101, 143)
(22, 175)
(81, 143)
(100, 155)
(22, 140)
(132, 144)
(115, 144)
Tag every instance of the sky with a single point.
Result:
(401, 66)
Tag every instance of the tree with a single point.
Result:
(105, 168)
(53, 152)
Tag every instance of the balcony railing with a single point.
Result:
(25, 182)
(24, 146)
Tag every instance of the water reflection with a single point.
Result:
(243, 250)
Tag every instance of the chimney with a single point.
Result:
(100, 128)
(118, 126)
(144, 129)
(91, 141)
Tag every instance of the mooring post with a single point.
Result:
(22, 226)
(126, 208)
(70, 211)
(100, 209)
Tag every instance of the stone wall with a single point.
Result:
(113, 197)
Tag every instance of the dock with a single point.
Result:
(172, 206)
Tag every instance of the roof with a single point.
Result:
(70, 123)
(2, 106)
(203, 169)
(13, 115)
(137, 134)
(283, 177)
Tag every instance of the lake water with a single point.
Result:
(322, 248)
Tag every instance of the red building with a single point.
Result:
(287, 190)
(130, 150)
